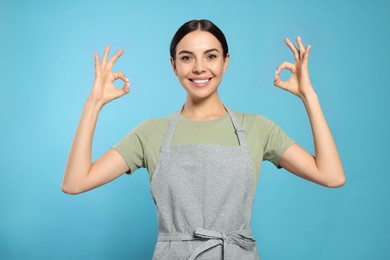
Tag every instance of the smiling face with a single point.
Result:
(199, 64)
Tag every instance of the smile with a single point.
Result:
(200, 82)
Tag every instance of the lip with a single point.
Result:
(200, 81)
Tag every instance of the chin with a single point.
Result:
(199, 95)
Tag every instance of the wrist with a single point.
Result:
(93, 103)
(308, 95)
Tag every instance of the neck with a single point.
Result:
(202, 110)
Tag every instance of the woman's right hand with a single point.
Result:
(103, 89)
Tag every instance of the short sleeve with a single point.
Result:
(276, 143)
(130, 148)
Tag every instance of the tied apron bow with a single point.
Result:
(214, 238)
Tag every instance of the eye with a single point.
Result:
(211, 56)
(186, 58)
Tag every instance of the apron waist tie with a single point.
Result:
(242, 238)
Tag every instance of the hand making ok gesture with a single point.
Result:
(103, 90)
(299, 83)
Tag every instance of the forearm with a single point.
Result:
(327, 157)
(80, 156)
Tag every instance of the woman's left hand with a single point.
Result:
(299, 83)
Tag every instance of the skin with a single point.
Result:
(199, 56)
(325, 167)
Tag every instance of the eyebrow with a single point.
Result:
(189, 52)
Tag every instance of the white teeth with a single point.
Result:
(200, 81)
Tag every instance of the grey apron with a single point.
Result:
(204, 195)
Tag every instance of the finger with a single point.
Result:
(307, 54)
(115, 57)
(106, 51)
(293, 48)
(126, 88)
(120, 75)
(285, 65)
(97, 64)
(279, 83)
(301, 47)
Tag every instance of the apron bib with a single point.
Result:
(204, 195)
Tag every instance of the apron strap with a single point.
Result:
(243, 238)
(171, 128)
(169, 135)
(238, 128)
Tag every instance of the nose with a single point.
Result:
(199, 67)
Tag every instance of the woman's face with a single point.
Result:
(200, 64)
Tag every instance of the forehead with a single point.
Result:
(198, 41)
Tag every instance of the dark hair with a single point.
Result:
(198, 25)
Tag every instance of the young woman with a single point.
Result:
(203, 160)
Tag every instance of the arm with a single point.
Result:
(80, 173)
(325, 167)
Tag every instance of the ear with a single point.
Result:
(226, 62)
(173, 65)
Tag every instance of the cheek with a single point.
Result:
(183, 70)
(216, 68)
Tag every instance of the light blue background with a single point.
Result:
(46, 72)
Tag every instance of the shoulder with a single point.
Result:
(153, 126)
(251, 121)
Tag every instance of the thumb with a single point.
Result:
(117, 93)
(125, 89)
(279, 83)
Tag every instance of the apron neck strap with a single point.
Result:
(169, 134)
(236, 124)
(237, 127)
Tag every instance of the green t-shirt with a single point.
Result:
(266, 141)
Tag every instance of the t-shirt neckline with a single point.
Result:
(204, 122)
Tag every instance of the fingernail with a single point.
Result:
(276, 72)
(127, 80)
